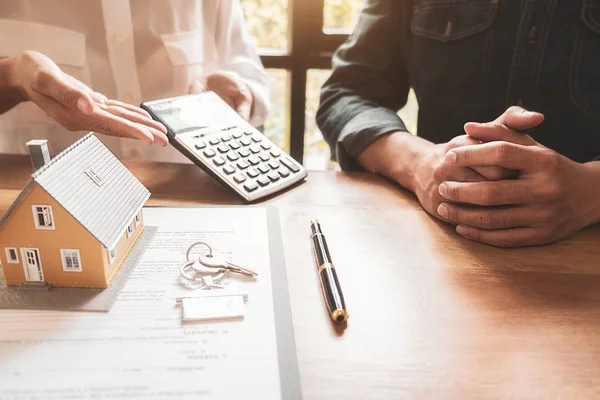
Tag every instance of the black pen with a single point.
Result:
(327, 275)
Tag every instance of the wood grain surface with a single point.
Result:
(432, 316)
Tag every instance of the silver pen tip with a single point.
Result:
(314, 221)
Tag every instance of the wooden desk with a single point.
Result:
(432, 316)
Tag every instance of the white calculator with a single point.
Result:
(212, 135)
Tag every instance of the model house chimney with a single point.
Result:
(38, 150)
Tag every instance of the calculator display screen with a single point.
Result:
(192, 113)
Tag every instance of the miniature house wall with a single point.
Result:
(70, 230)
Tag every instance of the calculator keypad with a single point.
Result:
(245, 159)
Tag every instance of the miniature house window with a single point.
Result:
(138, 218)
(94, 177)
(112, 254)
(11, 255)
(71, 260)
(130, 229)
(42, 215)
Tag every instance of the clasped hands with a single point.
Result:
(500, 187)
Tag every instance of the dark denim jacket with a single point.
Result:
(467, 60)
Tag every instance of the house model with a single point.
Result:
(75, 221)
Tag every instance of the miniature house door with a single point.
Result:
(32, 265)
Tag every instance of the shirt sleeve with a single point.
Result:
(237, 53)
(369, 82)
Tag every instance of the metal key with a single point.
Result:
(220, 263)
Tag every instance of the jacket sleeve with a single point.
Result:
(369, 82)
(237, 53)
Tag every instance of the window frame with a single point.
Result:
(138, 218)
(50, 214)
(9, 258)
(111, 258)
(74, 254)
(309, 47)
(130, 229)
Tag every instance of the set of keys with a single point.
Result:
(210, 269)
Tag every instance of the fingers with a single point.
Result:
(501, 238)
(132, 108)
(494, 131)
(487, 218)
(503, 154)
(157, 129)
(54, 84)
(519, 119)
(488, 193)
(506, 127)
(464, 175)
(492, 173)
(101, 121)
(198, 86)
(244, 107)
(243, 101)
(109, 124)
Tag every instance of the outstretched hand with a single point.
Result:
(77, 107)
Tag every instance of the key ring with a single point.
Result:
(208, 281)
(187, 253)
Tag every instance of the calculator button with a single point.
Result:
(209, 153)
(243, 165)
(289, 164)
(245, 142)
(200, 145)
(275, 153)
(250, 187)
(264, 181)
(214, 141)
(244, 153)
(219, 161)
(239, 178)
(265, 145)
(234, 145)
(264, 157)
(253, 160)
(248, 133)
(257, 138)
(232, 156)
(226, 138)
(236, 135)
(273, 164)
(263, 169)
(252, 173)
(254, 149)
(222, 148)
(273, 176)
(283, 173)
(228, 169)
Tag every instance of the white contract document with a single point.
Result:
(141, 349)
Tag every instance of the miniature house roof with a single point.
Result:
(90, 183)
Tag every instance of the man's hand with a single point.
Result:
(230, 87)
(77, 107)
(552, 198)
(420, 166)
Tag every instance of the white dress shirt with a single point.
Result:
(130, 50)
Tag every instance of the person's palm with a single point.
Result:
(77, 107)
